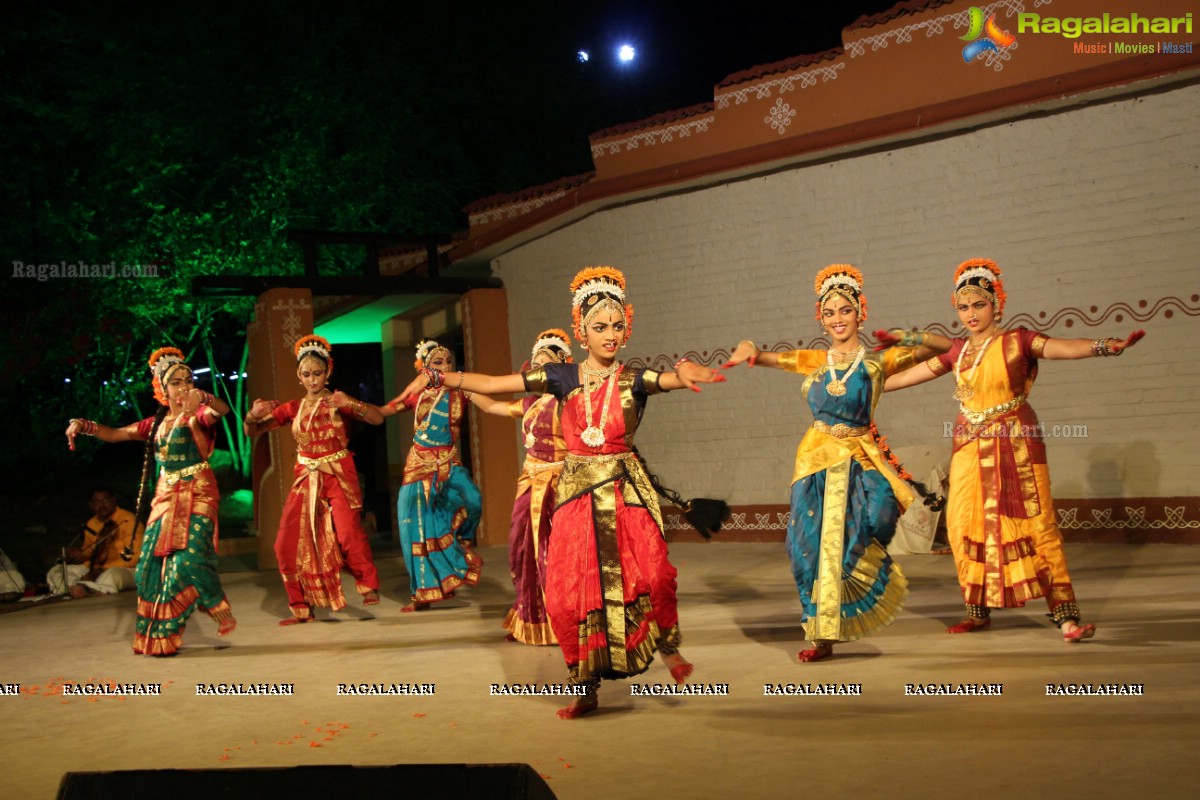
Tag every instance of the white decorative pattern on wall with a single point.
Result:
(937, 26)
(653, 136)
(514, 210)
(788, 83)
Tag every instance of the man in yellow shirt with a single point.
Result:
(105, 562)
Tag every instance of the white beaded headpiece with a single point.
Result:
(597, 286)
(165, 365)
(426, 348)
(313, 347)
(550, 341)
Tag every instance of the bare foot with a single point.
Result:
(283, 623)
(414, 606)
(510, 638)
(226, 626)
(583, 704)
(78, 591)
(680, 667)
(371, 598)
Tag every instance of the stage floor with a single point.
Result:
(740, 618)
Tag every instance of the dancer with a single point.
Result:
(319, 530)
(177, 569)
(846, 496)
(529, 533)
(439, 507)
(610, 588)
(1000, 516)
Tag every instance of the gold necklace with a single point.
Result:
(593, 435)
(836, 387)
(424, 426)
(963, 388)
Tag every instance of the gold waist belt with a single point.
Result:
(980, 417)
(608, 458)
(173, 476)
(315, 463)
(841, 430)
(439, 457)
(541, 466)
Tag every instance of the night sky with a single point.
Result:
(497, 86)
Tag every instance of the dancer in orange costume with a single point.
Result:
(1000, 515)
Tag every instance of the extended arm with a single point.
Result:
(102, 432)
(490, 405)
(1089, 348)
(927, 344)
(687, 375)
(467, 381)
(921, 373)
(748, 352)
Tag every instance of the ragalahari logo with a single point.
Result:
(984, 36)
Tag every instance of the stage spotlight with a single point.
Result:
(583, 56)
(626, 53)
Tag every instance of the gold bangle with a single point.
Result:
(461, 376)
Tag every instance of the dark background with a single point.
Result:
(191, 137)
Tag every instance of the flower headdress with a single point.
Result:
(979, 276)
(313, 346)
(844, 281)
(555, 342)
(163, 362)
(425, 350)
(595, 288)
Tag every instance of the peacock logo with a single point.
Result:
(984, 36)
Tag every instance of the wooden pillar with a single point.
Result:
(494, 456)
(281, 316)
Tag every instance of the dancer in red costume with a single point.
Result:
(1000, 514)
(610, 588)
(177, 570)
(319, 530)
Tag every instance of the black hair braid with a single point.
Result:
(143, 501)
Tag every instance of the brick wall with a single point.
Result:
(1091, 213)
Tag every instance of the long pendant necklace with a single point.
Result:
(593, 435)
(836, 387)
(963, 388)
(437, 398)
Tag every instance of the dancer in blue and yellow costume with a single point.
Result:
(846, 496)
(439, 506)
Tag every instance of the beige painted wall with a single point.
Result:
(1095, 211)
